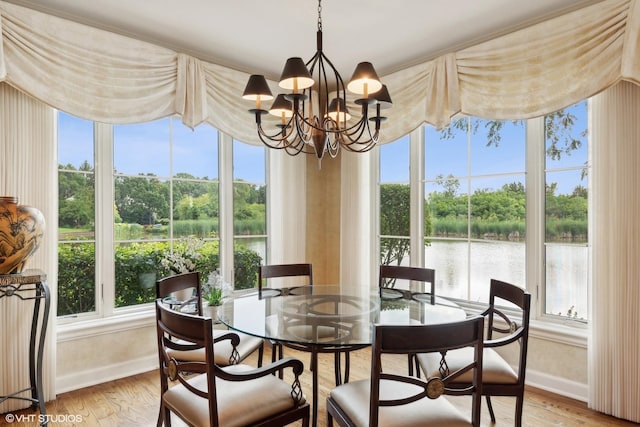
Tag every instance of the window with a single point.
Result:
(153, 189)
(476, 177)
(76, 216)
(249, 212)
(166, 190)
(395, 203)
(566, 196)
(475, 202)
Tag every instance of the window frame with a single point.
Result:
(107, 318)
(549, 326)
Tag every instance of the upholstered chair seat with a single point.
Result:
(240, 403)
(353, 398)
(495, 369)
(224, 349)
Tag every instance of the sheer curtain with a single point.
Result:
(614, 347)
(29, 171)
(357, 235)
(287, 220)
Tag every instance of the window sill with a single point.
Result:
(143, 318)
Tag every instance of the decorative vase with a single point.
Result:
(21, 232)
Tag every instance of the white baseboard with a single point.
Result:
(77, 380)
(558, 385)
(107, 373)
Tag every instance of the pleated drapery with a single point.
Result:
(110, 78)
(29, 160)
(614, 382)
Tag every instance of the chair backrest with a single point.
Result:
(185, 332)
(513, 331)
(407, 339)
(388, 274)
(181, 282)
(284, 270)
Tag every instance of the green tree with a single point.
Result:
(395, 200)
(141, 200)
(76, 196)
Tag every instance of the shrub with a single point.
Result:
(137, 266)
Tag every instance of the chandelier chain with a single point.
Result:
(319, 15)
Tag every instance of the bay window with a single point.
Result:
(482, 213)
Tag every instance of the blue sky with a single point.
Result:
(506, 162)
(144, 148)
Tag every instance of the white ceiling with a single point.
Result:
(257, 36)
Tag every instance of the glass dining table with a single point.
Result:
(330, 319)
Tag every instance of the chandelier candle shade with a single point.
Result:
(313, 116)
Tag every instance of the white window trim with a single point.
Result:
(107, 318)
(542, 325)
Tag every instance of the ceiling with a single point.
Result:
(257, 36)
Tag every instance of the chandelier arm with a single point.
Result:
(279, 136)
(300, 123)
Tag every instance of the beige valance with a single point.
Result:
(110, 78)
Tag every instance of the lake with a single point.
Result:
(566, 275)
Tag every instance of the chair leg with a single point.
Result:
(337, 367)
(276, 354)
(164, 417)
(347, 365)
(493, 417)
(410, 368)
(519, 407)
(260, 354)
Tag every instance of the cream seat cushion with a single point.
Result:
(240, 403)
(495, 370)
(353, 398)
(222, 349)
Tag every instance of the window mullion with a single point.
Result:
(416, 176)
(535, 212)
(104, 228)
(225, 185)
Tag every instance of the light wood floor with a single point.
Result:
(134, 401)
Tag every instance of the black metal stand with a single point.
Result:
(31, 285)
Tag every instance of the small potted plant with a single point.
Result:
(212, 295)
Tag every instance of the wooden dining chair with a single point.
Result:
(389, 399)
(301, 282)
(389, 274)
(226, 354)
(499, 379)
(301, 274)
(237, 395)
(387, 278)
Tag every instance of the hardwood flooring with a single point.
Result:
(133, 401)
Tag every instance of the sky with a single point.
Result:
(145, 148)
(505, 163)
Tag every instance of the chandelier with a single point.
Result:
(313, 116)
